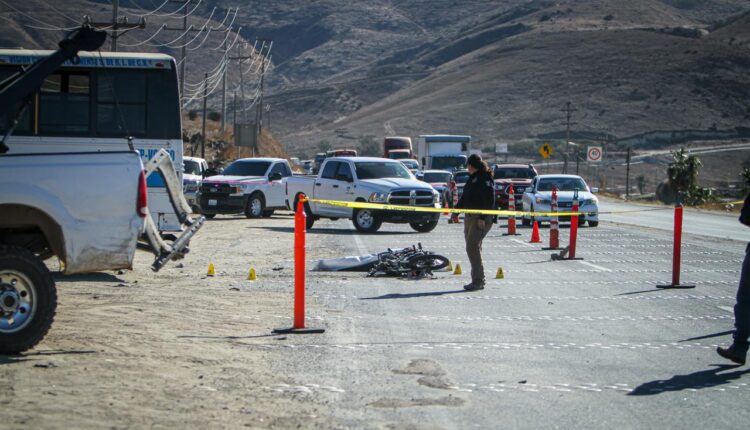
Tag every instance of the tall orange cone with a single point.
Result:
(535, 234)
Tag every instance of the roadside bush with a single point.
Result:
(214, 116)
(682, 175)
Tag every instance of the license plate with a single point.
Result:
(212, 202)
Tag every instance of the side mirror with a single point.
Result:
(276, 176)
(594, 190)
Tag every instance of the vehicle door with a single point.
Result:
(276, 192)
(343, 189)
(328, 187)
(528, 196)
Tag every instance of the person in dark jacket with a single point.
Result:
(738, 350)
(479, 193)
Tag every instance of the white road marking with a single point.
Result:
(603, 269)
(523, 243)
(726, 308)
(360, 245)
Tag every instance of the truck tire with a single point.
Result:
(366, 220)
(255, 206)
(424, 227)
(28, 300)
(593, 223)
(268, 213)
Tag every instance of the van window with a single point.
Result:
(281, 168)
(344, 173)
(330, 170)
(64, 104)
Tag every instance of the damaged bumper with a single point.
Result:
(173, 248)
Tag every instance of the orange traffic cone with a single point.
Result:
(535, 234)
(445, 206)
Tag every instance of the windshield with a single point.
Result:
(563, 184)
(410, 164)
(191, 167)
(514, 173)
(247, 168)
(435, 177)
(462, 177)
(448, 162)
(381, 169)
(398, 155)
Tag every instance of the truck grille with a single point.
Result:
(217, 189)
(411, 198)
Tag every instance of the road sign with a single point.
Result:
(594, 154)
(546, 150)
(501, 148)
(245, 135)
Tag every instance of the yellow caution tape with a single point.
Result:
(387, 207)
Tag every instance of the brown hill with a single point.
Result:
(498, 70)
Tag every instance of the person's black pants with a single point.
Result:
(742, 308)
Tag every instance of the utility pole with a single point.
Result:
(224, 92)
(568, 113)
(117, 24)
(240, 59)
(203, 132)
(627, 175)
(259, 107)
(183, 49)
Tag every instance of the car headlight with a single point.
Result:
(378, 198)
(235, 191)
(590, 202)
(542, 201)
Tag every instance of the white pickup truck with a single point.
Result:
(363, 179)
(253, 186)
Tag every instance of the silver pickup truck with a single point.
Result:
(363, 179)
(90, 210)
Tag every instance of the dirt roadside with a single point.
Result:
(140, 349)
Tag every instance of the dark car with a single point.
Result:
(520, 175)
(461, 177)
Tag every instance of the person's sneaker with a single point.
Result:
(474, 287)
(734, 353)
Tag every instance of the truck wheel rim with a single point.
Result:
(365, 219)
(17, 301)
(256, 207)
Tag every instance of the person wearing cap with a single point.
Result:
(479, 193)
(737, 351)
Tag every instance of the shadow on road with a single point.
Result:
(708, 336)
(640, 292)
(87, 277)
(333, 231)
(17, 358)
(708, 378)
(227, 337)
(412, 295)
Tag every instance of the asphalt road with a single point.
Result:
(573, 344)
(696, 222)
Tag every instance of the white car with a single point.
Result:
(411, 164)
(193, 171)
(537, 198)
